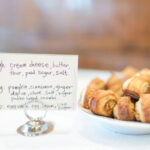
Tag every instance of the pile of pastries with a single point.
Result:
(126, 97)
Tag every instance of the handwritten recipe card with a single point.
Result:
(51, 79)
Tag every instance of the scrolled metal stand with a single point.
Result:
(35, 126)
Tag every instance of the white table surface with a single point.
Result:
(71, 131)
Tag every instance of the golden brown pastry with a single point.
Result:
(142, 108)
(135, 86)
(145, 74)
(103, 102)
(93, 86)
(115, 84)
(128, 72)
(124, 110)
(145, 71)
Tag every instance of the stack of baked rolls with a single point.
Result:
(126, 97)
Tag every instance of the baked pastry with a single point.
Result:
(145, 71)
(115, 84)
(135, 86)
(103, 102)
(124, 110)
(93, 86)
(128, 72)
(142, 108)
(145, 74)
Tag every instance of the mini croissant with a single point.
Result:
(145, 71)
(103, 102)
(145, 74)
(124, 110)
(115, 84)
(128, 72)
(135, 86)
(142, 108)
(93, 86)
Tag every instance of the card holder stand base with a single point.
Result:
(35, 126)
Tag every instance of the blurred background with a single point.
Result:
(106, 34)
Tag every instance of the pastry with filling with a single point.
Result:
(124, 110)
(142, 108)
(145, 71)
(135, 86)
(115, 84)
(94, 85)
(103, 102)
(128, 72)
(145, 74)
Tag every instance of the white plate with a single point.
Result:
(124, 127)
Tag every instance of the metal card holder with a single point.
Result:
(35, 126)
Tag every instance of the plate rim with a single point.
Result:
(111, 120)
